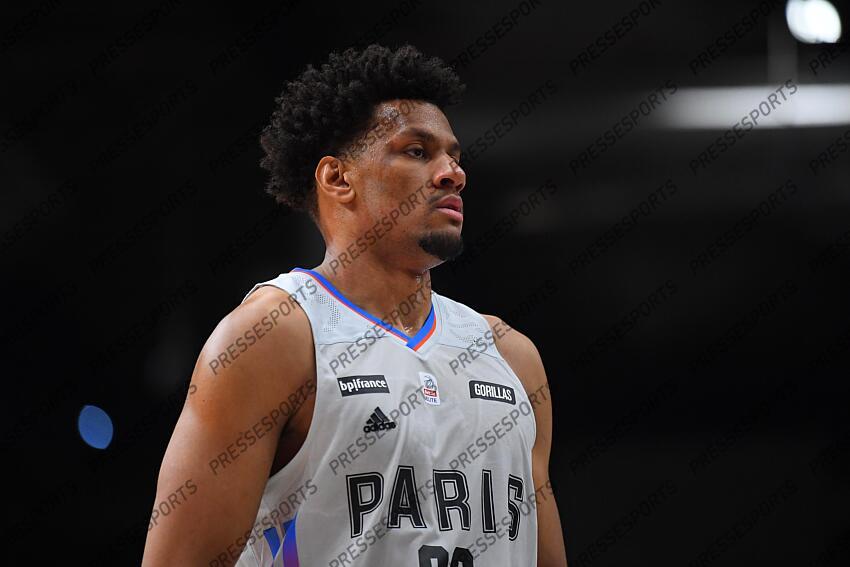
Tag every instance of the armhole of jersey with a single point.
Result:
(289, 283)
(509, 368)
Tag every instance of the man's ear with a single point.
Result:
(332, 175)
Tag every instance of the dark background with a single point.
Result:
(713, 431)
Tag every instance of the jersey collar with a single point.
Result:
(414, 342)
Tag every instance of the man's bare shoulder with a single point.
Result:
(269, 318)
(266, 333)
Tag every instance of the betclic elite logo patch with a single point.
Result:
(429, 388)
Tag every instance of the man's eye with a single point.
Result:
(417, 150)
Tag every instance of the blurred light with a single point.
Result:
(95, 427)
(813, 21)
(719, 108)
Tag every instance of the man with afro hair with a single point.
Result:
(347, 414)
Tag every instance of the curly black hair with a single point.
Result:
(324, 111)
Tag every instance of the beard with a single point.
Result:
(442, 245)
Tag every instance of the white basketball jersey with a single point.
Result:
(419, 449)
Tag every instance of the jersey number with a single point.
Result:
(460, 558)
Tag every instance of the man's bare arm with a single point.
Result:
(524, 359)
(221, 452)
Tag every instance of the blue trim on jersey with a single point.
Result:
(272, 539)
(409, 341)
(426, 328)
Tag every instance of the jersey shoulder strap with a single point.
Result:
(329, 320)
(465, 328)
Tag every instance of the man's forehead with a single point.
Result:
(412, 113)
(414, 117)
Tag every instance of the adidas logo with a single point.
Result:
(378, 421)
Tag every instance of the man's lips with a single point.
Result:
(451, 205)
(457, 215)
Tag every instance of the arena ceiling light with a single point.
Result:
(813, 21)
(718, 108)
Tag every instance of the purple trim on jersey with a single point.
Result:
(290, 548)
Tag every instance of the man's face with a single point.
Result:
(406, 170)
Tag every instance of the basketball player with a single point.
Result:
(348, 415)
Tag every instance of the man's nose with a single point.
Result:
(450, 175)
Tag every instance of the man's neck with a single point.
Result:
(399, 297)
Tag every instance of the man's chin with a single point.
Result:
(445, 245)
